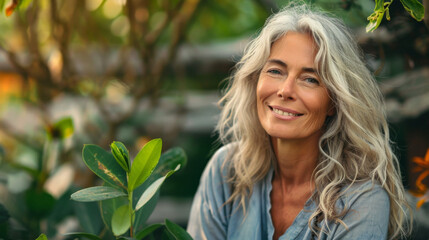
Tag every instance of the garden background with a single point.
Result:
(81, 72)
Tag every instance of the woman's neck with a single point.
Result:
(296, 160)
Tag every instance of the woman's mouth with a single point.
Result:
(284, 112)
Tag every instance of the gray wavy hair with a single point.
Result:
(355, 145)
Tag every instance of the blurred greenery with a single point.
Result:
(89, 72)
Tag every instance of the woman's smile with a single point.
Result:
(284, 113)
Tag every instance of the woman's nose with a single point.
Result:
(287, 89)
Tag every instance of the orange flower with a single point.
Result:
(423, 167)
(422, 200)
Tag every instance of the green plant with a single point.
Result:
(33, 206)
(124, 182)
(413, 7)
(42, 237)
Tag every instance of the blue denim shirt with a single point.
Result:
(211, 219)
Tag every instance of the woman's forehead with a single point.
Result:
(294, 47)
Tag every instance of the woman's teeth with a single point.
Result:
(278, 111)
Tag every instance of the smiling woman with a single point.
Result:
(307, 152)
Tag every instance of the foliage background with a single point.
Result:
(136, 70)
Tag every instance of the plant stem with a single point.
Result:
(130, 207)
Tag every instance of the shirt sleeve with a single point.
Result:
(209, 215)
(368, 215)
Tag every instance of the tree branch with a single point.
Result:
(187, 11)
(61, 32)
(153, 36)
(15, 63)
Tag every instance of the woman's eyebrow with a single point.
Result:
(309, 70)
(283, 64)
(277, 61)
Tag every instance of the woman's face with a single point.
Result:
(292, 100)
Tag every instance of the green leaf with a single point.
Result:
(62, 129)
(414, 8)
(144, 163)
(178, 232)
(104, 165)
(108, 208)
(42, 237)
(379, 6)
(153, 188)
(143, 214)
(169, 161)
(121, 220)
(98, 193)
(148, 194)
(148, 230)
(376, 16)
(83, 235)
(120, 152)
(375, 21)
(89, 216)
(166, 235)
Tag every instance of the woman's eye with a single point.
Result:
(274, 71)
(312, 80)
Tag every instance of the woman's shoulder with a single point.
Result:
(366, 187)
(218, 167)
(220, 159)
(367, 208)
(365, 193)
(209, 214)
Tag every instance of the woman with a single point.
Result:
(307, 152)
